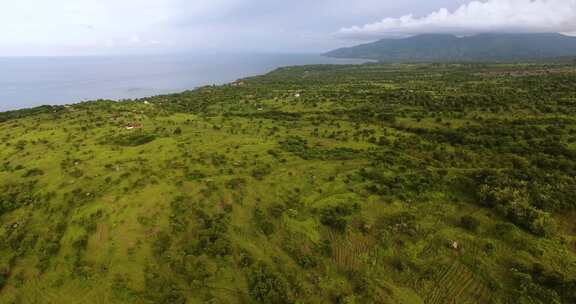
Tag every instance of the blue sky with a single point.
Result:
(87, 27)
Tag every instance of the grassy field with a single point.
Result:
(316, 184)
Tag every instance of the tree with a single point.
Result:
(265, 286)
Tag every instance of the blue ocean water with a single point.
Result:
(33, 81)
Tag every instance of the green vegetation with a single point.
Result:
(441, 183)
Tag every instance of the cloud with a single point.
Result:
(70, 27)
(512, 16)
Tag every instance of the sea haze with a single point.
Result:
(33, 81)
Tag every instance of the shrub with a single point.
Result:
(33, 172)
(405, 222)
(276, 210)
(263, 224)
(300, 147)
(261, 171)
(161, 244)
(334, 216)
(195, 175)
(211, 237)
(3, 279)
(133, 140)
(470, 223)
(334, 221)
(236, 183)
(81, 243)
(325, 248)
(245, 259)
(267, 228)
(307, 261)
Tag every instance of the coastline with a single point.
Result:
(42, 81)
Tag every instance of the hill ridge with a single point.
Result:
(484, 47)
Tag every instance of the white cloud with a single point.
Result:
(477, 17)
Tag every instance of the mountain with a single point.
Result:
(450, 48)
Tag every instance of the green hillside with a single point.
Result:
(318, 184)
(477, 48)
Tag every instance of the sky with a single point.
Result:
(107, 27)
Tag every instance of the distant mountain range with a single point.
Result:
(451, 48)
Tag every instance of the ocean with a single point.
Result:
(33, 81)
